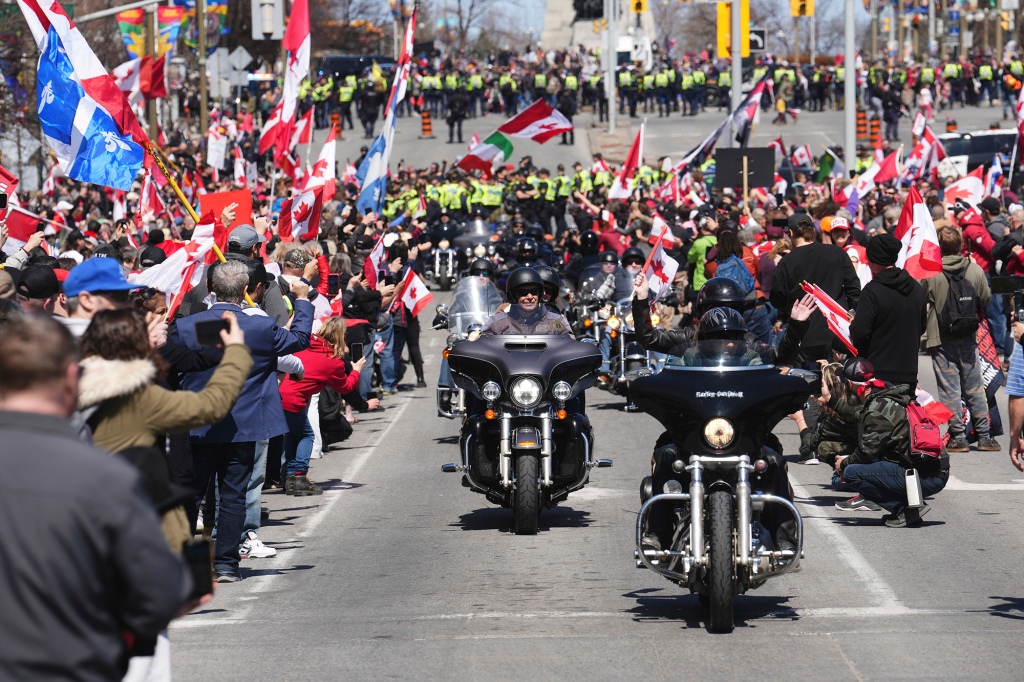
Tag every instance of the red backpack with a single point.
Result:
(925, 438)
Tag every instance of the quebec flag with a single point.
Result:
(86, 119)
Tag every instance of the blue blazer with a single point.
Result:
(257, 415)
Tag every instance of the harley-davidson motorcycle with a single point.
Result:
(473, 302)
(525, 442)
(719, 405)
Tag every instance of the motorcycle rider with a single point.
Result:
(527, 314)
(721, 339)
(633, 260)
(482, 267)
(552, 285)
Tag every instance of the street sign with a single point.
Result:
(240, 58)
(954, 15)
(954, 30)
(758, 39)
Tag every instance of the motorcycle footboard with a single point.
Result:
(790, 556)
(664, 555)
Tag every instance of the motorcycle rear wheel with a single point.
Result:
(720, 562)
(526, 505)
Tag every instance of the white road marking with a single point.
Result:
(594, 493)
(955, 483)
(881, 593)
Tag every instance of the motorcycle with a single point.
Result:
(443, 264)
(718, 411)
(477, 240)
(628, 360)
(474, 300)
(525, 445)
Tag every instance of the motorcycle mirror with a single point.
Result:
(588, 339)
(441, 309)
(812, 378)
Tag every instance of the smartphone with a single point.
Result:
(197, 556)
(3, 201)
(780, 222)
(356, 351)
(208, 331)
(333, 284)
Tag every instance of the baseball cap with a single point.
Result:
(246, 237)
(991, 204)
(296, 258)
(6, 285)
(97, 274)
(38, 282)
(798, 219)
(839, 223)
(151, 256)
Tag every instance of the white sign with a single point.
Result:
(240, 59)
(216, 151)
(276, 23)
(1009, 4)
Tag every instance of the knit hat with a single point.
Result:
(884, 249)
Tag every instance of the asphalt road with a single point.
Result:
(398, 572)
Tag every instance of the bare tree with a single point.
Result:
(467, 15)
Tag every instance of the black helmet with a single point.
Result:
(520, 279)
(526, 248)
(608, 257)
(481, 267)
(518, 221)
(719, 292)
(536, 231)
(633, 255)
(552, 282)
(720, 336)
(589, 243)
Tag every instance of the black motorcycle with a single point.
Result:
(719, 405)
(525, 444)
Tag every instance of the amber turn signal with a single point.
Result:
(561, 414)
(490, 414)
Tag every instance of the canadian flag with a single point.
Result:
(151, 204)
(20, 223)
(778, 146)
(378, 262)
(323, 170)
(836, 317)
(622, 188)
(970, 188)
(939, 413)
(50, 183)
(300, 216)
(669, 190)
(600, 166)
(415, 294)
(303, 129)
(660, 270)
(351, 176)
(920, 255)
(879, 172)
(803, 156)
(272, 130)
(474, 141)
(659, 229)
(127, 77)
(240, 177)
(182, 270)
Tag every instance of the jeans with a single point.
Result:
(366, 376)
(445, 378)
(254, 492)
(298, 443)
(232, 464)
(997, 322)
(758, 323)
(958, 375)
(885, 483)
(605, 346)
(387, 359)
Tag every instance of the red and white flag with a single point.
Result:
(300, 216)
(127, 78)
(600, 166)
(474, 141)
(50, 183)
(879, 172)
(351, 176)
(622, 188)
(659, 229)
(415, 294)
(239, 168)
(277, 131)
(778, 146)
(183, 269)
(538, 122)
(803, 156)
(151, 204)
(660, 270)
(836, 317)
(669, 190)
(970, 188)
(920, 255)
(939, 413)
(323, 170)
(303, 132)
(926, 154)
(378, 262)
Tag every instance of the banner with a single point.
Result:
(216, 18)
(168, 21)
(133, 31)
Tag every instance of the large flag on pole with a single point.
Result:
(538, 122)
(740, 119)
(920, 255)
(373, 171)
(86, 119)
(277, 131)
(483, 155)
(323, 174)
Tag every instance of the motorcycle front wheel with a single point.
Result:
(526, 505)
(720, 563)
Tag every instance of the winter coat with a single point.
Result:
(979, 242)
(131, 410)
(936, 290)
(322, 369)
(888, 325)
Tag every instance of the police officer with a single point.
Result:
(346, 93)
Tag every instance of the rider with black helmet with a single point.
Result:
(527, 314)
(633, 260)
(481, 267)
(526, 251)
(552, 283)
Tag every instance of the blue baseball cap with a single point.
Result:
(97, 274)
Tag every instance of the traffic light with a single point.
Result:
(1004, 20)
(588, 9)
(885, 24)
(638, 6)
(801, 8)
(725, 29)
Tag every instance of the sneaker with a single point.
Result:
(908, 516)
(304, 487)
(253, 548)
(988, 445)
(809, 460)
(228, 578)
(958, 445)
(857, 503)
(420, 383)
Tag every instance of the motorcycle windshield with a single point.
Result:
(475, 299)
(734, 353)
(596, 282)
(477, 228)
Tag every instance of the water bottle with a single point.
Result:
(915, 498)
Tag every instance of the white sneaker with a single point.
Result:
(252, 548)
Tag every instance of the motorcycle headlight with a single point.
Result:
(452, 340)
(561, 391)
(443, 244)
(614, 323)
(491, 391)
(718, 433)
(480, 251)
(526, 392)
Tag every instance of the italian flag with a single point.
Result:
(484, 155)
(538, 122)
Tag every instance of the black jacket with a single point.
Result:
(830, 268)
(887, 329)
(83, 556)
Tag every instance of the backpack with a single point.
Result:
(925, 438)
(736, 270)
(959, 316)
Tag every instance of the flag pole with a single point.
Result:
(188, 207)
(1013, 163)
